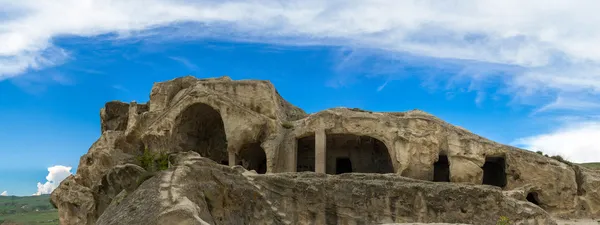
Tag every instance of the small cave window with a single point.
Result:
(494, 171)
(441, 169)
(533, 198)
(343, 165)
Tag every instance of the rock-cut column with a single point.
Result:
(232, 158)
(320, 151)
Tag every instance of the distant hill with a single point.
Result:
(595, 165)
(28, 210)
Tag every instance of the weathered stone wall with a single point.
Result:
(416, 139)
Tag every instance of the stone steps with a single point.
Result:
(275, 210)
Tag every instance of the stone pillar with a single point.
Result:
(293, 156)
(231, 158)
(320, 151)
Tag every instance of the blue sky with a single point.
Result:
(528, 86)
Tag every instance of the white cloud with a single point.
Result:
(4, 193)
(56, 174)
(555, 42)
(577, 142)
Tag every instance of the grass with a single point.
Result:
(28, 210)
(503, 221)
(595, 165)
(33, 218)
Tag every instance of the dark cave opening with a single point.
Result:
(343, 165)
(441, 169)
(533, 198)
(253, 157)
(494, 171)
(200, 128)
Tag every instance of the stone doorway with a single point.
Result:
(494, 171)
(305, 154)
(358, 154)
(441, 169)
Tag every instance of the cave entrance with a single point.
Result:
(494, 172)
(441, 169)
(533, 198)
(253, 157)
(361, 154)
(343, 165)
(305, 154)
(200, 128)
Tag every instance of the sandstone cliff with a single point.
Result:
(403, 167)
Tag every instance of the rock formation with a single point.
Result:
(279, 165)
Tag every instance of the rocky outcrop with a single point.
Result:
(248, 123)
(196, 190)
(75, 202)
(114, 116)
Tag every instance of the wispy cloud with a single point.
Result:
(120, 88)
(56, 174)
(37, 83)
(191, 66)
(4, 193)
(381, 87)
(554, 44)
(569, 104)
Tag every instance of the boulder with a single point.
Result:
(75, 202)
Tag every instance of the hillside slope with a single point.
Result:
(594, 165)
(27, 210)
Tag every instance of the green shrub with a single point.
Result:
(561, 159)
(540, 152)
(146, 159)
(163, 161)
(153, 161)
(503, 221)
(287, 125)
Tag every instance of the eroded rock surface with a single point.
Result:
(247, 123)
(196, 190)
